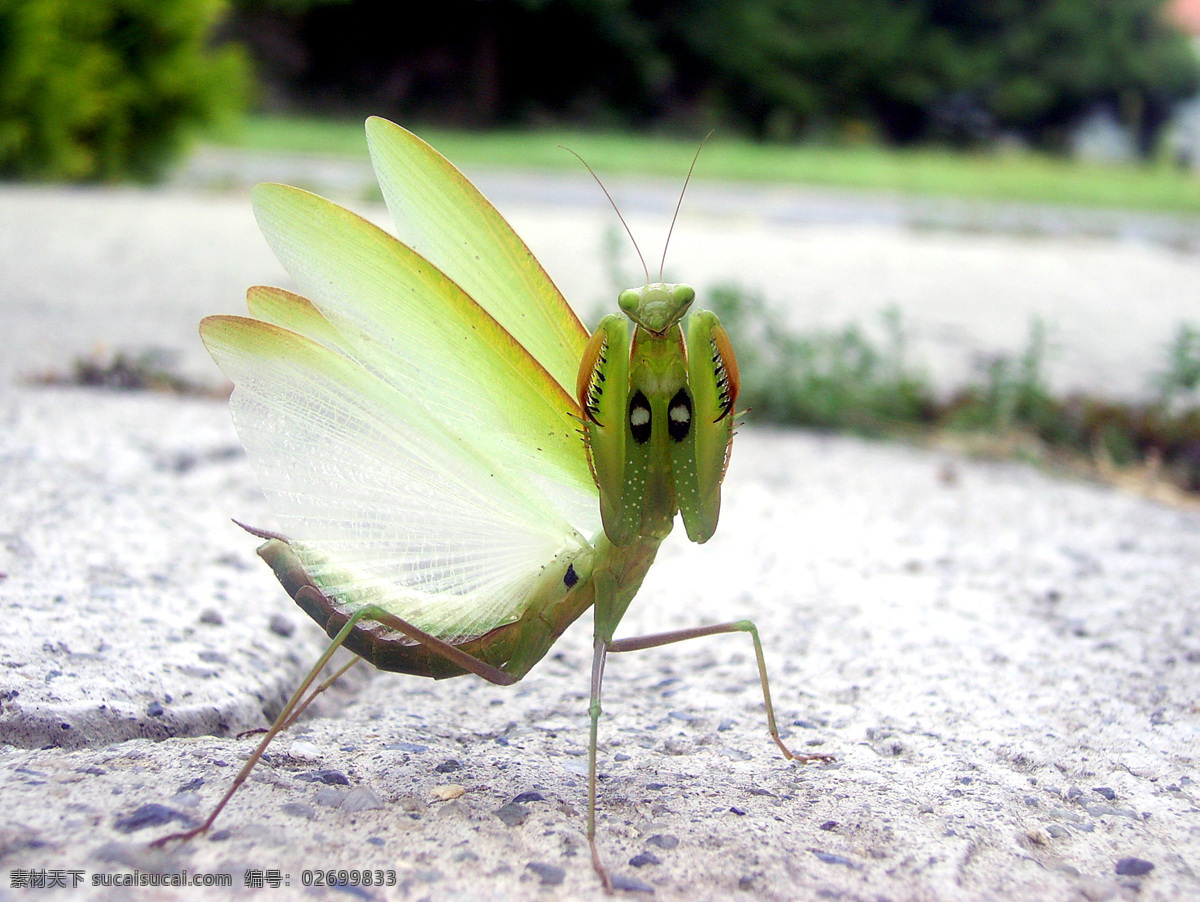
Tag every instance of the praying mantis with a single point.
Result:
(460, 471)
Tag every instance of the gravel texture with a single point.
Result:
(1004, 664)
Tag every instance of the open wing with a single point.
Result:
(385, 505)
(444, 218)
(401, 318)
(412, 423)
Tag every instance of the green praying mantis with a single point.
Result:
(459, 470)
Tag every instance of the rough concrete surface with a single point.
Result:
(1004, 664)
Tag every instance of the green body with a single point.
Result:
(658, 423)
(658, 399)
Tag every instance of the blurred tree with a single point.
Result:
(943, 68)
(1042, 65)
(107, 89)
(467, 62)
(791, 65)
(909, 69)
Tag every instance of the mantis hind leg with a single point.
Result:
(303, 706)
(297, 703)
(598, 658)
(637, 643)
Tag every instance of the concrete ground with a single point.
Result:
(1004, 664)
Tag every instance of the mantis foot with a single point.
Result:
(182, 837)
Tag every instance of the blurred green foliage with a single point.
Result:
(959, 73)
(845, 380)
(840, 379)
(109, 89)
(1179, 381)
(955, 71)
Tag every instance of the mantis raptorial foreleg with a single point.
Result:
(637, 643)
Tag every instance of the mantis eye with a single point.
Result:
(629, 300)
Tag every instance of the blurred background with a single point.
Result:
(105, 88)
(1012, 187)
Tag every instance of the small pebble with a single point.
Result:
(1102, 810)
(529, 797)
(212, 617)
(328, 777)
(630, 884)
(330, 796)
(154, 709)
(447, 792)
(1134, 867)
(828, 825)
(186, 799)
(644, 858)
(361, 799)
(550, 874)
(449, 766)
(830, 858)
(299, 809)
(663, 841)
(512, 814)
(302, 748)
(1104, 791)
(455, 808)
(282, 626)
(150, 815)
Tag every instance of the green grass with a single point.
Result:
(1008, 176)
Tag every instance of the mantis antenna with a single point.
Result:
(616, 209)
(663, 263)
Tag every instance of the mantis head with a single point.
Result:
(657, 306)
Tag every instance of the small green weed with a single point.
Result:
(843, 380)
(148, 371)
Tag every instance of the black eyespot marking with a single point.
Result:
(679, 416)
(570, 578)
(639, 418)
